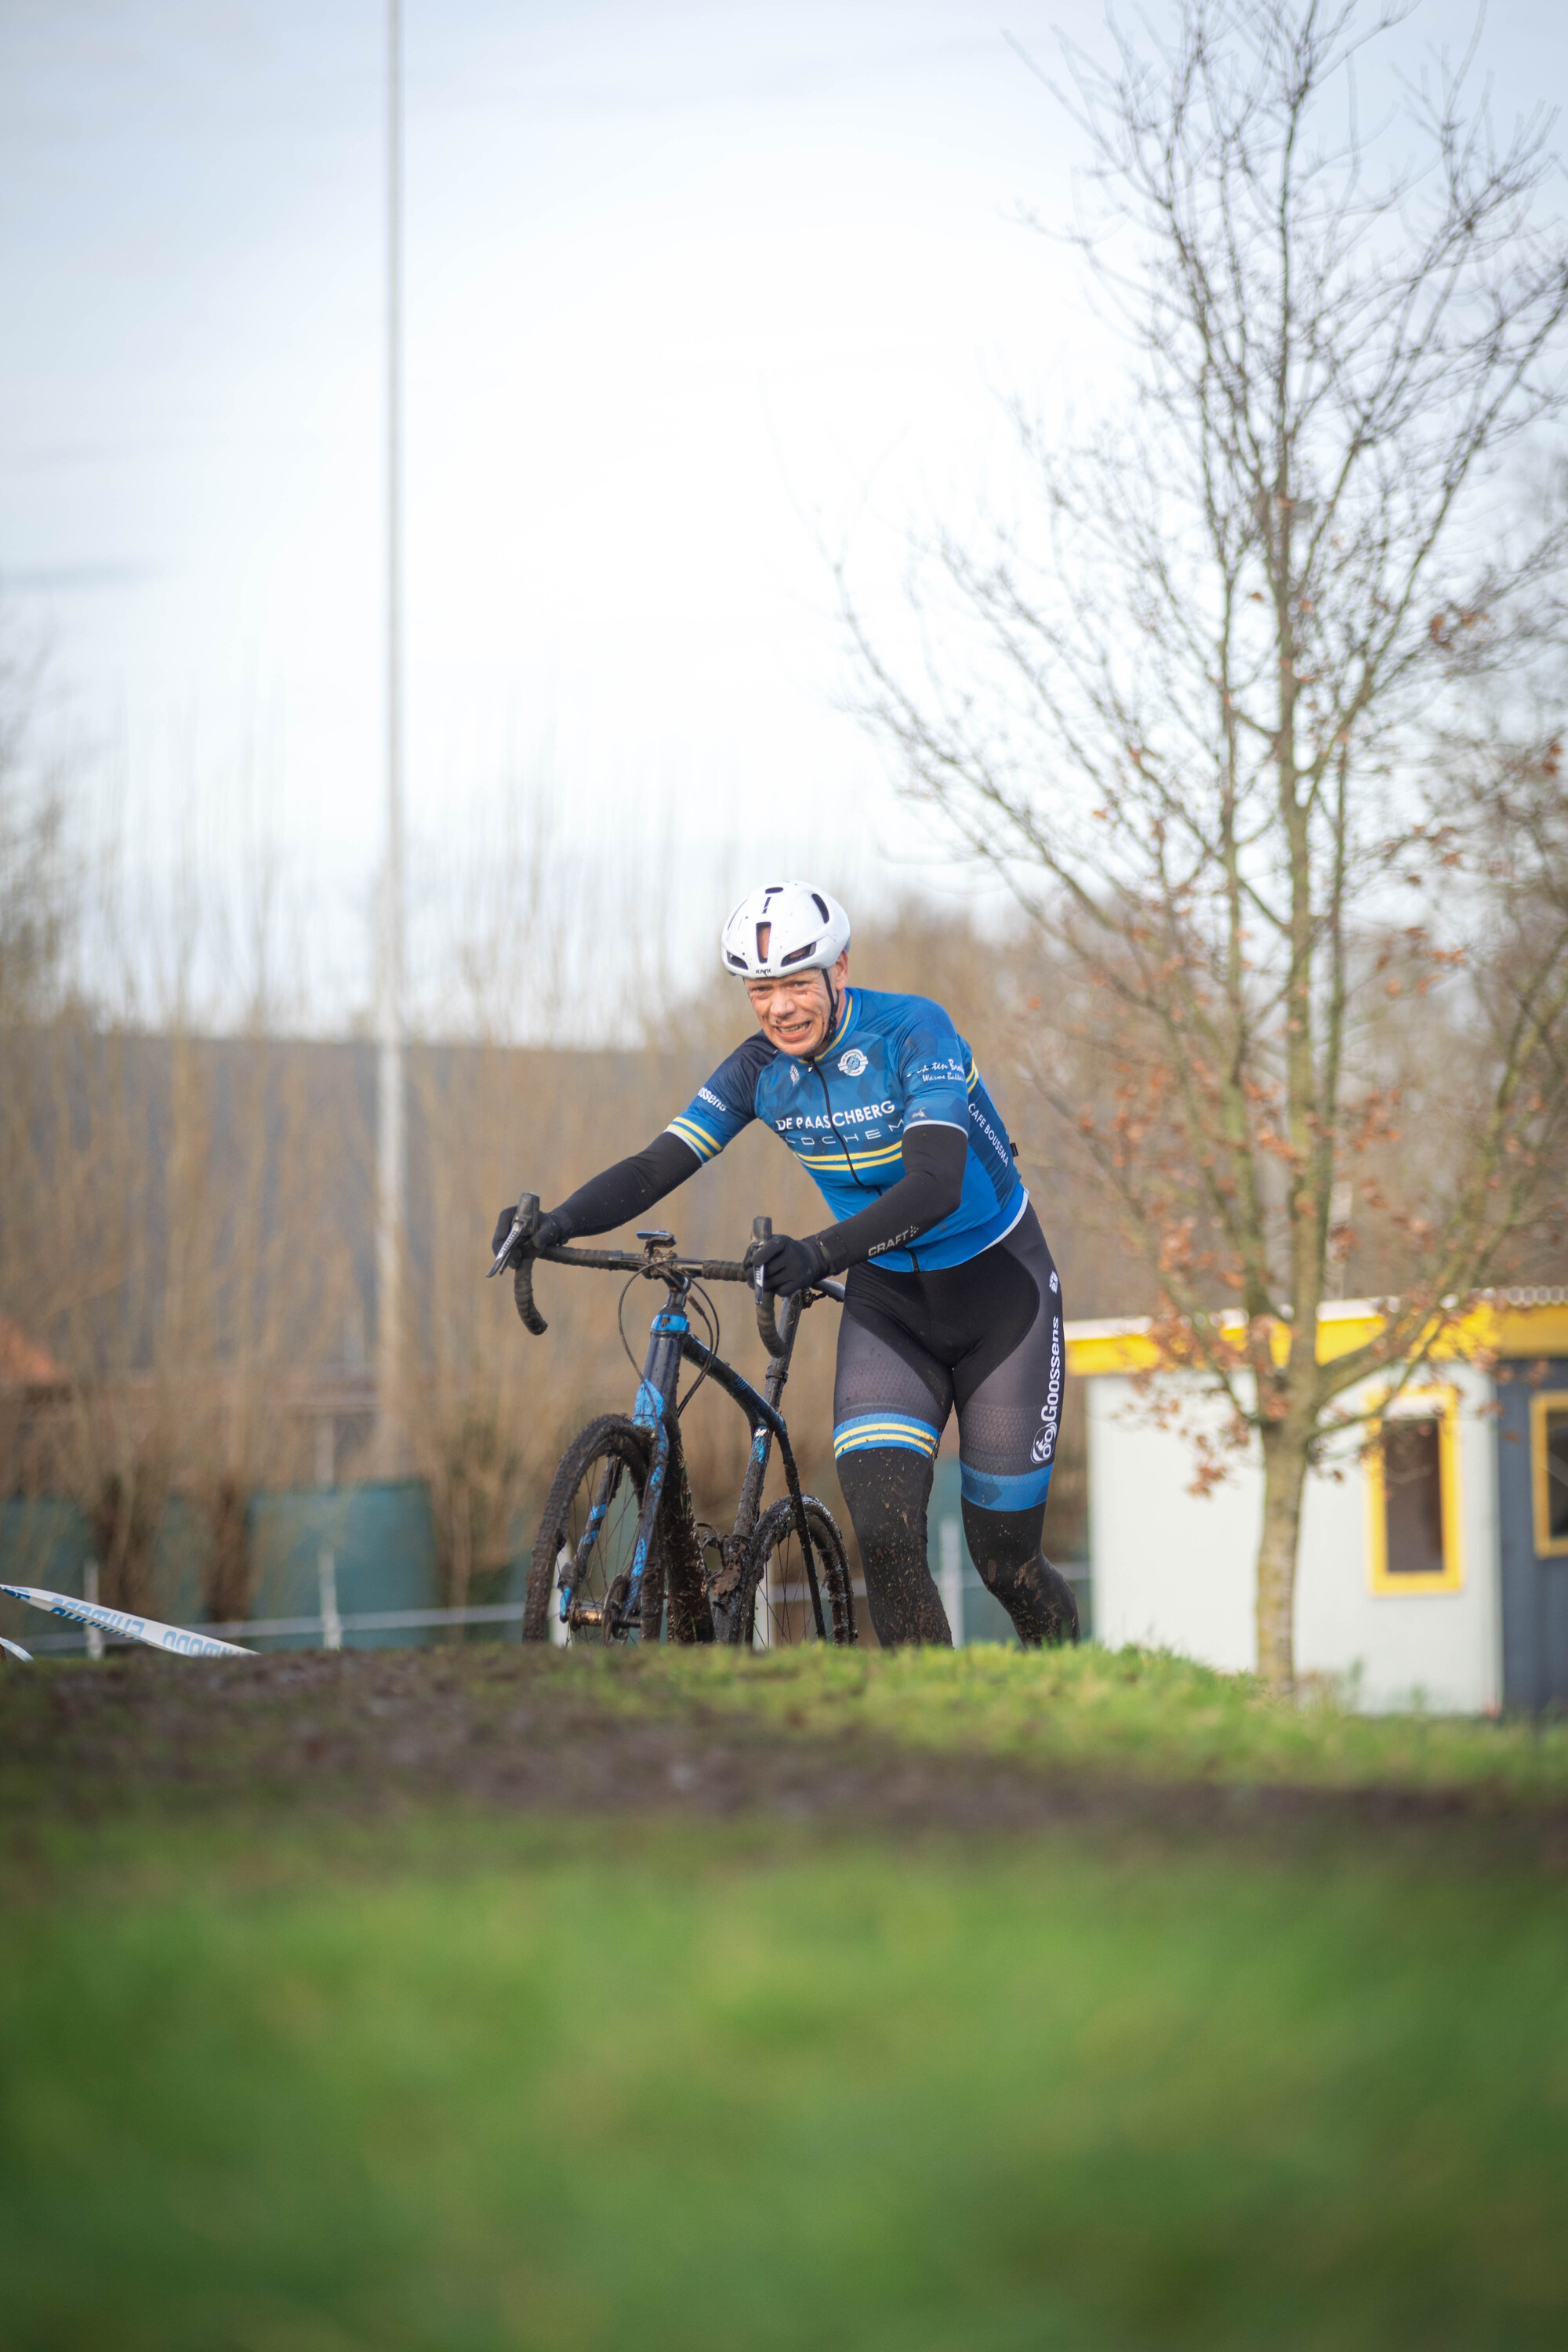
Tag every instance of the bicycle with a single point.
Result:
(620, 1550)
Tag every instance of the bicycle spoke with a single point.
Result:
(782, 1613)
(587, 1542)
(598, 1514)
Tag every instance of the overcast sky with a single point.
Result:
(692, 293)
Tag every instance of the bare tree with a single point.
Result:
(36, 880)
(1191, 707)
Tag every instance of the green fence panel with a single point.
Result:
(380, 1541)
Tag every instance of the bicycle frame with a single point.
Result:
(672, 1342)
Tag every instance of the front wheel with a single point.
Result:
(778, 1612)
(587, 1541)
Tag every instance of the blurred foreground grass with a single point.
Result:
(288, 2079)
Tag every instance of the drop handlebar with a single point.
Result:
(654, 1262)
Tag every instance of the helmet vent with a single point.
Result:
(783, 927)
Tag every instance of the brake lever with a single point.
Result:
(522, 1227)
(524, 1219)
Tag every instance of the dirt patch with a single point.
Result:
(366, 1730)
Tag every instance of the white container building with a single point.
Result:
(1434, 1560)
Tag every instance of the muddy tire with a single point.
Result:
(591, 1516)
(776, 1611)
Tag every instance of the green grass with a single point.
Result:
(284, 2077)
(1132, 1714)
(1135, 1713)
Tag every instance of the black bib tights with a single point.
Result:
(986, 1338)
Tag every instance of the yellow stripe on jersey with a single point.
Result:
(881, 1158)
(701, 1142)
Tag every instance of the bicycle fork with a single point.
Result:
(655, 1403)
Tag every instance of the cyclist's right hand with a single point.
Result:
(546, 1234)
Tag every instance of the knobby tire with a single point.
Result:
(775, 1530)
(611, 1438)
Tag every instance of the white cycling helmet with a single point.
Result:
(784, 928)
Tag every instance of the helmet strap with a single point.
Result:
(832, 1016)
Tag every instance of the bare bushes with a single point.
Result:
(172, 1234)
(227, 1583)
(124, 1508)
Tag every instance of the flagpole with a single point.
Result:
(390, 1011)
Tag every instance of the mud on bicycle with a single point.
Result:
(621, 1556)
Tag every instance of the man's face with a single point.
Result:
(795, 1014)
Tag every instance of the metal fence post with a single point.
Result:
(332, 1622)
(90, 1593)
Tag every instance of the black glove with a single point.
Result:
(546, 1234)
(785, 1265)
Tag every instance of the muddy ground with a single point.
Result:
(365, 1732)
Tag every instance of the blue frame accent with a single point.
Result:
(669, 1333)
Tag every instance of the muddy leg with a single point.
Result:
(887, 1490)
(1005, 1548)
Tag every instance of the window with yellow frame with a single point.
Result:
(1549, 1471)
(1413, 1536)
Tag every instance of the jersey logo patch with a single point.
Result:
(852, 1063)
(795, 1074)
(1041, 1449)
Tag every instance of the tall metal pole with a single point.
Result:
(389, 1124)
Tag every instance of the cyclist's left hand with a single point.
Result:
(546, 1234)
(787, 1266)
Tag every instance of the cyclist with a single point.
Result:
(951, 1298)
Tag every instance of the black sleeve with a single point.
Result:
(625, 1191)
(930, 1189)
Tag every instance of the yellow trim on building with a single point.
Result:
(1442, 1405)
(1512, 1326)
(1547, 1544)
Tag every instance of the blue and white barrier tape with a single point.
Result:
(130, 1629)
(16, 1650)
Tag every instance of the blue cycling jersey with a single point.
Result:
(894, 1062)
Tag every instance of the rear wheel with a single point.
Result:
(587, 1538)
(779, 1613)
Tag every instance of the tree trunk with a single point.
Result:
(1284, 1480)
